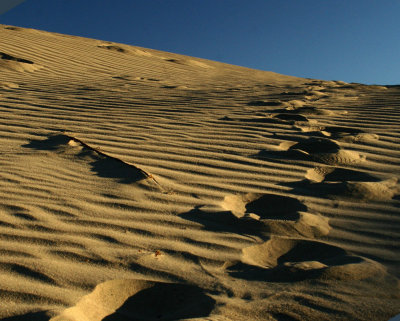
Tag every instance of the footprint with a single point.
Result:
(295, 103)
(351, 191)
(12, 28)
(260, 214)
(276, 214)
(146, 79)
(257, 118)
(376, 191)
(316, 145)
(304, 110)
(104, 165)
(271, 118)
(291, 117)
(176, 61)
(301, 93)
(313, 95)
(289, 259)
(112, 47)
(338, 174)
(273, 103)
(341, 183)
(324, 151)
(122, 77)
(196, 63)
(313, 129)
(188, 62)
(266, 206)
(5, 56)
(174, 87)
(17, 64)
(354, 187)
(132, 299)
(142, 52)
(347, 134)
(343, 134)
(316, 87)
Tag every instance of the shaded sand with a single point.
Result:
(18, 64)
(283, 259)
(137, 184)
(139, 300)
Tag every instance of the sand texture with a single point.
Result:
(137, 184)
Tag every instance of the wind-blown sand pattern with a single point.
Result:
(144, 185)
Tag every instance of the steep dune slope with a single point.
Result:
(145, 185)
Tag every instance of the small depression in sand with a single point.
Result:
(291, 117)
(298, 93)
(129, 299)
(276, 214)
(17, 64)
(142, 52)
(265, 103)
(112, 47)
(347, 183)
(104, 165)
(353, 191)
(313, 95)
(272, 206)
(295, 103)
(339, 174)
(188, 62)
(344, 134)
(303, 110)
(348, 134)
(324, 150)
(289, 259)
(12, 28)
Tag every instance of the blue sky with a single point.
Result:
(350, 40)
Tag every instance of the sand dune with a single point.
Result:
(145, 185)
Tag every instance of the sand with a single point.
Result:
(143, 185)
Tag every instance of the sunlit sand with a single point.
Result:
(144, 185)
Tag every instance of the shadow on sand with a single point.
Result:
(102, 164)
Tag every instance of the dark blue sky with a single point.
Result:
(350, 40)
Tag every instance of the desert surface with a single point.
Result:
(137, 184)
